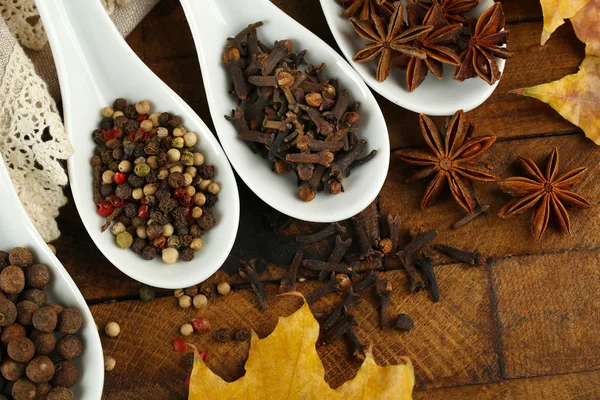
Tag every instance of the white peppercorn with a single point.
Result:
(214, 188)
(162, 132)
(137, 193)
(117, 114)
(107, 112)
(107, 177)
(147, 125)
(185, 301)
(186, 329)
(125, 166)
(178, 132)
(196, 244)
(203, 185)
(190, 190)
(139, 160)
(178, 293)
(142, 107)
(109, 363)
(190, 139)
(196, 212)
(198, 159)
(52, 248)
(187, 178)
(163, 174)
(112, 329)
(200, 301)
(199, 199)
(168, 230)
(117, 228)
(174, 155)
(223, 288)
(170, 255)
(149, 189)
(192, 171)
(176, 168)
(140, 231)
(152, 162)
(154, 119)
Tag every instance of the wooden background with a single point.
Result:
(524, 327)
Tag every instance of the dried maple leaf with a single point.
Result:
(576, 97)
(286, 365)
(550, 193)
(587, 27)
(451, 157)
(556, 11)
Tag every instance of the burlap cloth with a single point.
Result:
(33, 141)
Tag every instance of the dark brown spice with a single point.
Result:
(358, 349)
(404, 323)
(331, 229)
(242, 335)
(383, 289)
(337, 283)
(248, 273)
(290, 284)
(472, 258)
(409, 254)
(317, 265)
(222, 335)
(426, 266)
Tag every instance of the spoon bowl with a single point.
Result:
(17, 230)
(211, 23)
(433, 97)
(95, 66)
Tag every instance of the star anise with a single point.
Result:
(451, 157)
(453, 9)
(385, 40)
(363, 9)
(487, 38)
(436, 47)
(549, 192)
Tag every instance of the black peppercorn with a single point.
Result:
(138, 151)
(135, 181)
(68, 347)
(138, 221)
(174, 122)
(146, 293)
(106, 157)
(98, 136)
(123, 191)
(189, 360)
(151, 148)
(131, 126)
(195, 231)
(130, 210)
(176, 180)
(120, 121)
(131, 230)
(167, 205)
(211, 199)
(69, 321)
(164, 119)
(37, 276)
(162, 159)
(25, 310)
(162, 194)
(130, 111)
(154, 230)
(125, 220)
(242, 335)
(206, 220)
(117, 153)
(8, 312)
(186, 240)
(222, 335)
(206, 171)
(65, 374)
(107, 189)
(138, 245)
(41, 368)
(148, 253)
(152, 176)
(106, 123)
(120, 104)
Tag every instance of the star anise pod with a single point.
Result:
(385, 40)
(451, 157)
(363, 9)
(550, 193)
(453, 9)
(487, 38)
(436, 45)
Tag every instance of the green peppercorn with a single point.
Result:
(187, 158)
(124, 240)
(146, 293)
(178, 143)
(142, 170)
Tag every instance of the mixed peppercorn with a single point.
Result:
(150, 183)
(35, 332)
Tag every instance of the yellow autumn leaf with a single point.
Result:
(587, 27)
(576, 97)
(285, 365)
(555, 12)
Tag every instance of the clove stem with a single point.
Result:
(472, 258)
(426, 266)
(249, 274)
(331, 229)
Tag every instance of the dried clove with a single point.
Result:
(222, 335)
(339, 168)
(410, 253)
(350, 300)
(479, 209)
(472, 258)
(393, 222)
(364, 243)
(365, 282)
(317, 265)
(383, 288)
(404, 323)
(249, 274)
(337, 283)
(331, 229)
(426, 265)
(358, 349)
(338, 252)
(360, 161)
(290, 284)
(342, 326)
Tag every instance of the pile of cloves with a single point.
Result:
(299, 120)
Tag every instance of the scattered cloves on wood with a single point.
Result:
(472, 258)
(249, 273)
(317, 265)
(410, 252)
(331, 229)
(365, 282)
(342, 326)
(338, 252)
(337, 283)
(358, 349)
(290, 284)
(479, 209)
(383, 288)
(364, 243)
(426, 265)
(404, 323)
(393, 222)
(350, 300)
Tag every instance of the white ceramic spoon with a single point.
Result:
(433, 97)
(95, 66)
(212, 22)
(16, 230)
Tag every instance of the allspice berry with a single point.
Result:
(69, 321)
(44, 319)
(25, 310)
(23, 389)
(37, 296)
(20, 349)
(65, 374)
(44, 342)
(8, 312)
(112, 329)
(12, 331)
(40, 369)
(69, 347)
(109, 363)
(12, 280)
(12, 370)
(20, 256)
(60, 393)
(42, 390)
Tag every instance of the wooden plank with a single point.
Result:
(491, 235)
(453, 342)
(581, 386)
(548, 310)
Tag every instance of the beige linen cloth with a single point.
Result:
(33, 141)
